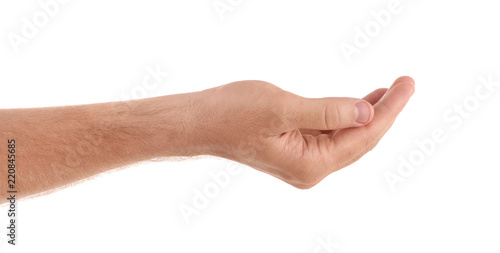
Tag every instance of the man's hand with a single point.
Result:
(296, 139)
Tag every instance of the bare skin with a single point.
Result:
(298, 140)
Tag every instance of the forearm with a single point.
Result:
(59, 145)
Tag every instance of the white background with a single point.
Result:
(98, 51)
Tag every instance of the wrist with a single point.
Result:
(176, 131)
(204, 127)
(200, 130)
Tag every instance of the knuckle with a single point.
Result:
(260, 86)
(331, 115)
(386, 107)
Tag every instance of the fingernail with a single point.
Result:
(362, 112)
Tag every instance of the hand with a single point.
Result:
(296, 139)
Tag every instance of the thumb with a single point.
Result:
(331, 113)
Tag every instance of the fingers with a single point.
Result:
(402, 79)
(330, 113)
(371, 98)
(375, 95)
(351, 144)
(337, 113)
